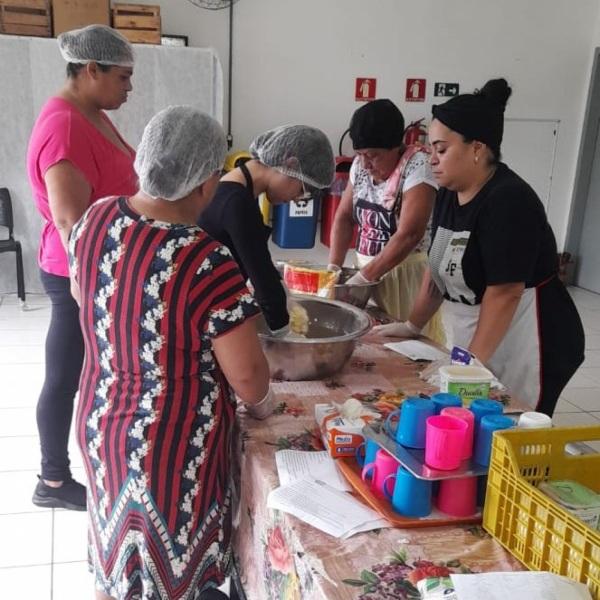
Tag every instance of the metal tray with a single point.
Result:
(414, 460)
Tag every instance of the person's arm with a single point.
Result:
(417, 204)
(427, 302)
(68, 196)
(243, 362)
(498, 307)
(245, 227)
(342, 228)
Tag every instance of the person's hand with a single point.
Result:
(264, 408)
(334, 268)
(403, 329)
(357, 279)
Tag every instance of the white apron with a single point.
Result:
(516, 362)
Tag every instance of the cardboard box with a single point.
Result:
(73, 14)
(25, 17)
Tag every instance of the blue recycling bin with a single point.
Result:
(295, 223)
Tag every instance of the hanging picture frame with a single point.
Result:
(174, 40)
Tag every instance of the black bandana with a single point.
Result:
(377, 124)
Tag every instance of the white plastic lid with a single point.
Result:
(534, 420)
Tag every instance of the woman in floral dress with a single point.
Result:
(168, 328)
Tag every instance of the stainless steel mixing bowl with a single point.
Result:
(334, 327)
(357, 294)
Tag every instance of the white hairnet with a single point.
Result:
(96, 43)
(181, 148)
(298, 151)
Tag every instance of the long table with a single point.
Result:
(280, 557)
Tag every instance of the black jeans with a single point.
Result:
(64, 359)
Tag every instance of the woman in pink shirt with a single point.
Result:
(75, 157)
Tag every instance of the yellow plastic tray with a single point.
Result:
(536, 530)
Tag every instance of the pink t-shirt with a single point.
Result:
(61, 132)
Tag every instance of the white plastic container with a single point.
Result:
(467, 381)
(534, 420)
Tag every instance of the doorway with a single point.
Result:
(583, 241)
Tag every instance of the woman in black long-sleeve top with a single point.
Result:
(289, 163)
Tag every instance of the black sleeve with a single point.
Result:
(249, 236)
(510, 233)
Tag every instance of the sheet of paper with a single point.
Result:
(323, 507)
(416, 350)
(293, 465)
(521, 585)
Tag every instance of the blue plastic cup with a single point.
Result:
(413, 414)
(487, 426)
(481, 407)
(411, 496)
(369, 447)
(443, 400)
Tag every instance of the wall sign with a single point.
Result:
(445, 89)
(415, 90)
(365, 89)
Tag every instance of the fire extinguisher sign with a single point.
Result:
(415, 90)
(365, 89)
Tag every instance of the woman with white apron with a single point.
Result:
(493, 259)
(390, 196)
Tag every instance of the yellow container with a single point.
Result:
(265, 208)
(234, 159)
(529, 524)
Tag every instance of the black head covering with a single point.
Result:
(478, 116)
(377, 124)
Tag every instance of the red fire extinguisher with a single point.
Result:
(415, 133)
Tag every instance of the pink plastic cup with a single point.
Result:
(458, 497)
(383, 466)
(444, 442)
(464, 414)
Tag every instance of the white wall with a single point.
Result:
(295, 61)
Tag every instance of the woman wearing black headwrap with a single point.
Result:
(390, 196)
(493, 257)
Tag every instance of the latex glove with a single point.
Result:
(398, 329)
(334, 268)
(357, 279)
(264, 408)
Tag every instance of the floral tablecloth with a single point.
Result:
(280, 557)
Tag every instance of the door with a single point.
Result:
(588, 270)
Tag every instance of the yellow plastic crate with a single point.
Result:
(531, 526)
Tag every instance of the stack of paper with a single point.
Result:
(416, 350)
(521, 585)
(312, 489)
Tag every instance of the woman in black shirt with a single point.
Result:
(289, 163)
(493, 257)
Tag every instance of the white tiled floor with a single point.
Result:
(43, 552)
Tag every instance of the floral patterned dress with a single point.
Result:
(155, 412)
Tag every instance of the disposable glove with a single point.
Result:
(357, 279)
(398, 329)
(264, 408)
